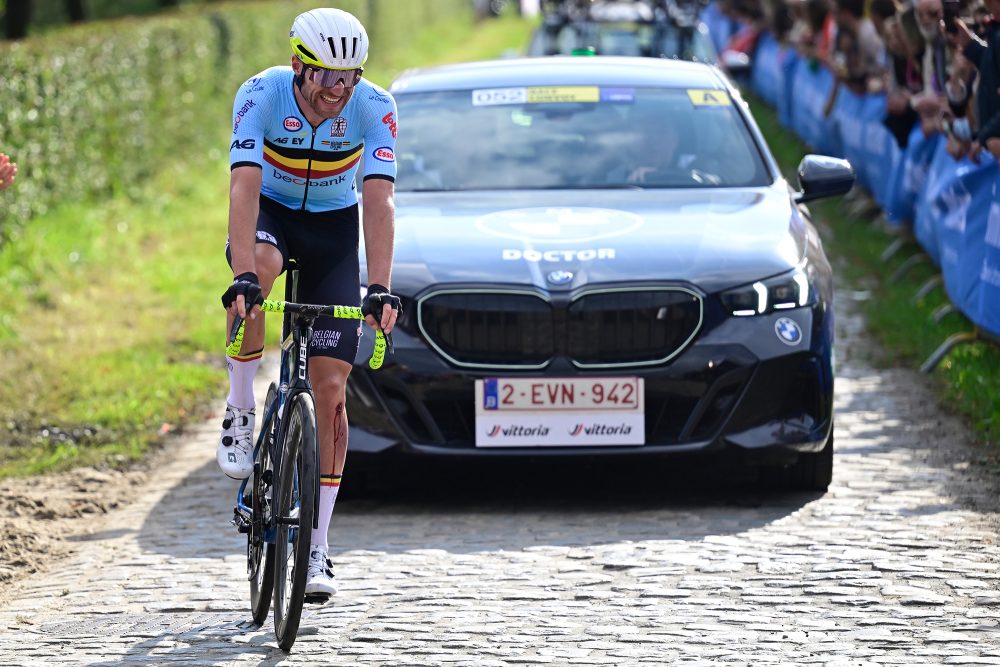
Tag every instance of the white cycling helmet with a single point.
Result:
(329, 38)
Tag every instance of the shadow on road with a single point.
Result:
(491, 505)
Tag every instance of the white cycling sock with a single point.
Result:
(242, 369)
(329, 485)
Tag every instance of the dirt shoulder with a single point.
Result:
(40, 516)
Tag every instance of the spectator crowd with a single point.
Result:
(936, 61)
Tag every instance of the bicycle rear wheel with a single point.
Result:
(296, 493)
(260, 552)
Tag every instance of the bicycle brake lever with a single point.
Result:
(237, 321)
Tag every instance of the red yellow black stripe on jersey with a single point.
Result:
(304, 162)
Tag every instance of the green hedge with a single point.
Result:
(92, 111)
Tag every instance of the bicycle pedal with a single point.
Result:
(241, 522)
(317, 598)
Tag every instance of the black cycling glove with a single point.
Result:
(246, 284)
(372, 305)
(377, 297)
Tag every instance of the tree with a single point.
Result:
(17, 18)
(76, 11)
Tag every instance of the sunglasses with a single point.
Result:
(328, 78)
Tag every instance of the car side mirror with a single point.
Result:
(822, 176)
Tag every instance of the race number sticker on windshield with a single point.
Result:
(486, 97)
(557, 94)
(709, 98)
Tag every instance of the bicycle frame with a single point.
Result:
(297, 328)
(293, 379)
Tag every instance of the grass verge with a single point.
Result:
(112, 331)
(968, 379)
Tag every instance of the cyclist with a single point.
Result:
(299, 135)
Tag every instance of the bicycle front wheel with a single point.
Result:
(297, 483)
(260, 544)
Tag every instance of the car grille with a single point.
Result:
(489, 329)
(607, 328)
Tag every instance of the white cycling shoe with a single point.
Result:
(319, 578)
(235, 452)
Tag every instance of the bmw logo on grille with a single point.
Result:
(560, 277)
(788, 331)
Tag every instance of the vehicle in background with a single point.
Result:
(645, 28)
(600, 257)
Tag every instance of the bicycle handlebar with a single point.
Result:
(345, 312)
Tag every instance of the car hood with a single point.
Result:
(561, 240)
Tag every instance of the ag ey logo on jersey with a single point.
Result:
(384, 153)
(293, 124)
(246, 144)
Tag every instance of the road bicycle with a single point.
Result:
(277, 505)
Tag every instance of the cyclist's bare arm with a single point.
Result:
(379, 223)
(244, 205)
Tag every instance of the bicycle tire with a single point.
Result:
(260, 554)
(297, 484)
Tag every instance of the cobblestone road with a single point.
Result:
(897, 564)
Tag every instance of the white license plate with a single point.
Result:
(556, 394)
(542, 412)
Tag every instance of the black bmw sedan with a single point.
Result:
(599, 256)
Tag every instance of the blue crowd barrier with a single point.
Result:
(951, 207)
(932, 206)
(909, 177)
(766, 80)
(968, 233)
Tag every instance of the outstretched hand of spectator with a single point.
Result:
(993, 146)
(961, 37)
(957, 148)
(976, 153)
(897, 101)
(8, 170)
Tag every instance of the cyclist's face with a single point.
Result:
(326, 102)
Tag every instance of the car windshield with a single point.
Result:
(574, 137)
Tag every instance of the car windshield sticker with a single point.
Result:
(618, 95)
(492, 96)
(548, 94)
(709, 98)
(543, 95)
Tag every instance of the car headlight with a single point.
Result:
(791, 290)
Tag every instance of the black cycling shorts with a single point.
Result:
(324, 246)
